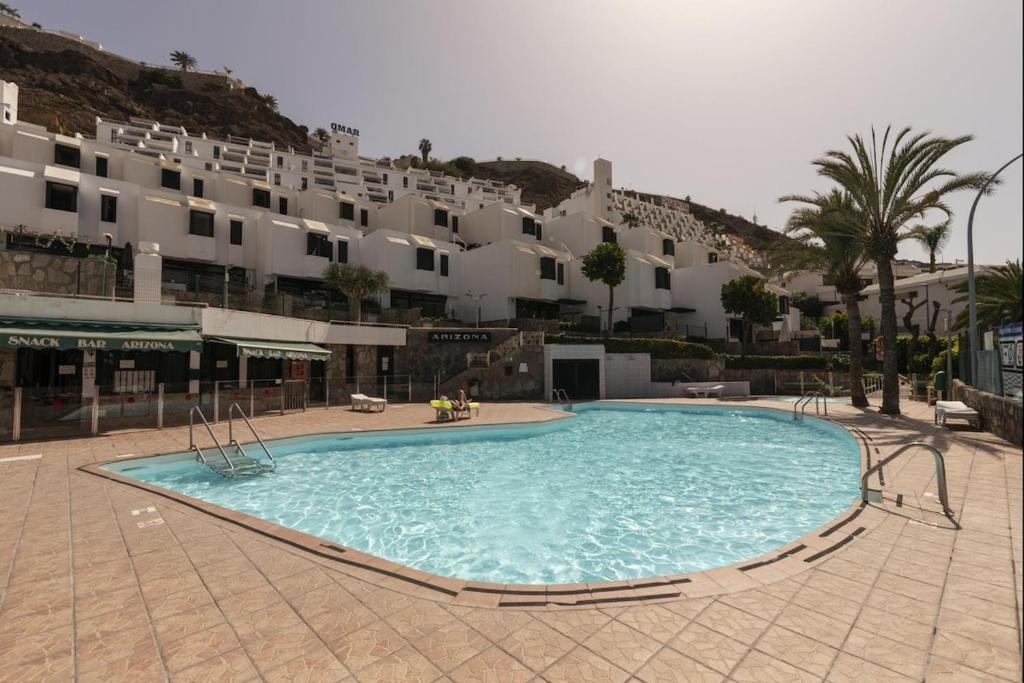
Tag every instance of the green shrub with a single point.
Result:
(777, 362)
(658, 348)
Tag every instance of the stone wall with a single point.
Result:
(423, 359)
(1002, 416)
(678, 369)
(503, 381)
(8, 359)
(38, 272)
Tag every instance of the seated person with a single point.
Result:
(460, 403)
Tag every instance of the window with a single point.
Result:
(277, 178)
(198, 186)
(364, 217)
(282, 205)
(188, 147)
(170, 179)
(455, 224)
(305, 183)
(347, 211)
(783, 305)
(668, 247)
(280, 161)
(108, 208)
(391, 195)
(66, 155)
(547, 268)
(342, 251)
(529, 226)
(61, 197)
(539, 232)
(200, 223)
(101, 167)
(424, 259)
(236, 232)
(305, 165)
(384, 178)
(441, 217)
(405, 181)
(444, 265)
(712, 257)
(318, 245)
(561, 274)
(216, 151)
(208, 166)
(261, 197)
(662, 278)
(608, 234)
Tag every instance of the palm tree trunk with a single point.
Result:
(355, 309)
(890, 363)
(857, 396)
(931, 256)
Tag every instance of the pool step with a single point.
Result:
(243, 466)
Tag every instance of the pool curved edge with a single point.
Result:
(788, 560)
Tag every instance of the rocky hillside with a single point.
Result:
(65, 84)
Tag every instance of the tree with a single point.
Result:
(606, 263)
(892, 184)
(356, 283)
(425, 149)
(269, 101)
(998, 295)
(827, 239)
(630, 219)
(9, 11)
(321, 134)
(746, 297)
(933, 239)
(183, 60)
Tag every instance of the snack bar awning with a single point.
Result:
(262, 348)
(50, 334)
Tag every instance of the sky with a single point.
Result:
(725, 101)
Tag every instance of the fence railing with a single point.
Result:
(36, 413)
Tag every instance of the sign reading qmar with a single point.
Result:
(338, 128)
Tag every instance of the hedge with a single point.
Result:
(658, 348)
(776, 363)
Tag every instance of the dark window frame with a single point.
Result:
(443, 263)
(560, 273)
(201, 228)
(424, 259)
(282, 206)
(198, 187)
(608, 235)
(668, 247)
(108, 208)
(548, 268)
(441, 218)
(54, 191)
(261, 197)
(170, 179)
(346, 211)
(342, 251)
(67, 155)
(102, 166)
(529, 226)
(364, 217)
(319, 244)
(236, 231)
(662, 278)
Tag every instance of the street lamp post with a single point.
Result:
(949, 347)
(972, 310)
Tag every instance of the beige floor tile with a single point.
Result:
(732, 622)
(583, 666)
(886, 652)
(714, 650)
(492, 666)
(758, 667)
(850, 669)
(402, 665)
(622, 645)
(669, 666)
(797, 650)
(536, 645)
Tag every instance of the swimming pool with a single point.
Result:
(619, 491)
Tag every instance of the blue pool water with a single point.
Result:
(619, 491)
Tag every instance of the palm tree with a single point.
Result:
(356, 283)
(934, 239)
(891, 185)
(826, 234)
(270, 102)
(321, 134)
(183, 60)
(998, 296)
(425, 148)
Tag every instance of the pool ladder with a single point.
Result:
(805, 400)
(562, 398)
(238, 465)
(875, 495)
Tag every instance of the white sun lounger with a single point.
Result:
(957, 410)
(705, 392)
(364, 402)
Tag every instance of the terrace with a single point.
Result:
(103, 580)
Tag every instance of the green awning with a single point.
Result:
(262, 348)
(52, 334)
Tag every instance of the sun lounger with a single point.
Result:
(364, 402)
(957, 410)
(705, 392)
(447, 411)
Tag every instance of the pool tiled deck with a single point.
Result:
(104, 581)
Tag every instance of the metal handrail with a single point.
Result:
(562, 397)
(940, 473)
(231, 439)
(802, 403)
(192, 444)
